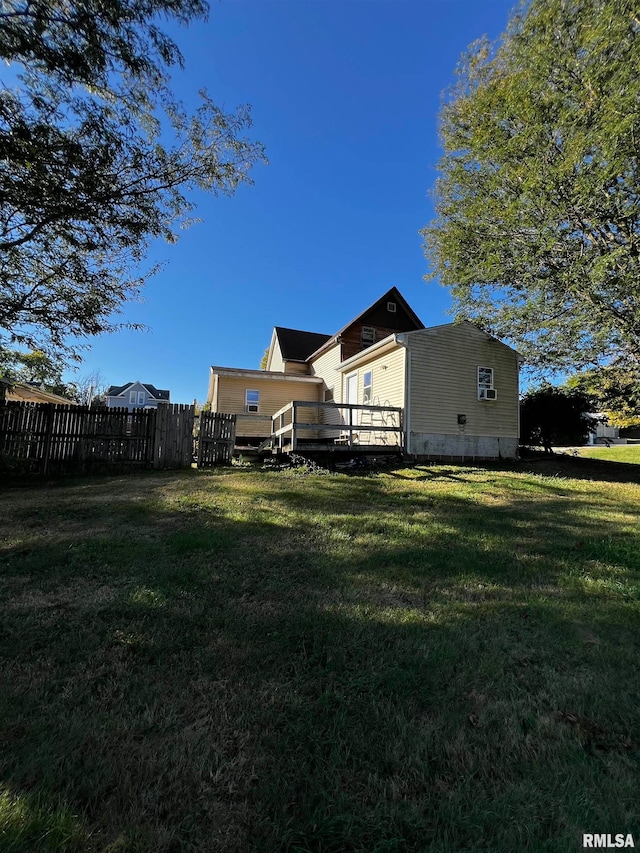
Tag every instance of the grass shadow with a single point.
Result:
(264, 662)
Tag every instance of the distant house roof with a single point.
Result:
(296, 345)
(120, 390)
(31, 392)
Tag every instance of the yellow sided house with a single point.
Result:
(383, 383)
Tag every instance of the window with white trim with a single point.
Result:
(367, 387)
(485, 377)
(252, 402)
(391, 307)
(132, 398)
(368, 336)
(142, 398)
(486, 390)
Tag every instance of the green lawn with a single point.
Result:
(437, 658)
(615, 453)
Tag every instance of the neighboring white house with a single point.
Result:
(135, 395)
(603, 433)
(453, 389)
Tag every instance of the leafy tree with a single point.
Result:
(96, 159)
(538, 202)
(554, 416)
(614, 390)
(36, 366)
(264, 359)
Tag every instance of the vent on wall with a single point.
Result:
(391, 307)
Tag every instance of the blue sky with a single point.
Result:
(345, 96)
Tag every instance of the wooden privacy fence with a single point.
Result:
(216, 439)
(48, 437)
(173, 440)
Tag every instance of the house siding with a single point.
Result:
(444, 384)
(276, 362)
(274, 394)
(385, 323)
(352, 337)
(387, 377)
(326, 367)
(296, 367)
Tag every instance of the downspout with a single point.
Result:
(518, 366)
(407, 397)
(403, 341)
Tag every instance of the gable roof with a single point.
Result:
(296, 345)
(475, 328)
(119, 390)
(392, 295)
(400, 339)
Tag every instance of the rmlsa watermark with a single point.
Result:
(605, 840)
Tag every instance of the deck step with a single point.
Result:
(264, 445)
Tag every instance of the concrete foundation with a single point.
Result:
(462, 447)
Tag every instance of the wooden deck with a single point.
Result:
(303, 426)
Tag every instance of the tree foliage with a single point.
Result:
(614, 391)
(555, 416)
(538, 201)
(96, 159)
(35, 366)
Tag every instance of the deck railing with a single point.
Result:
(336, 425)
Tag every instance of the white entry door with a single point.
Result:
(351, 396)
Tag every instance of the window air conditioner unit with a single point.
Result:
(487, 394)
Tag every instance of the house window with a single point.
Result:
(367, 391)
(141, 398)
(252, 402)
(485, 377)
(391, 307)
(486, 390)
(132, 398)
(368, 336)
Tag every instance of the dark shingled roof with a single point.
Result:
(298, 346)
(116, 390)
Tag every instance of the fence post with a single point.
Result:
(159, 437)
(187, 437)
(202, 425)
(294, 418)
(48, 436)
